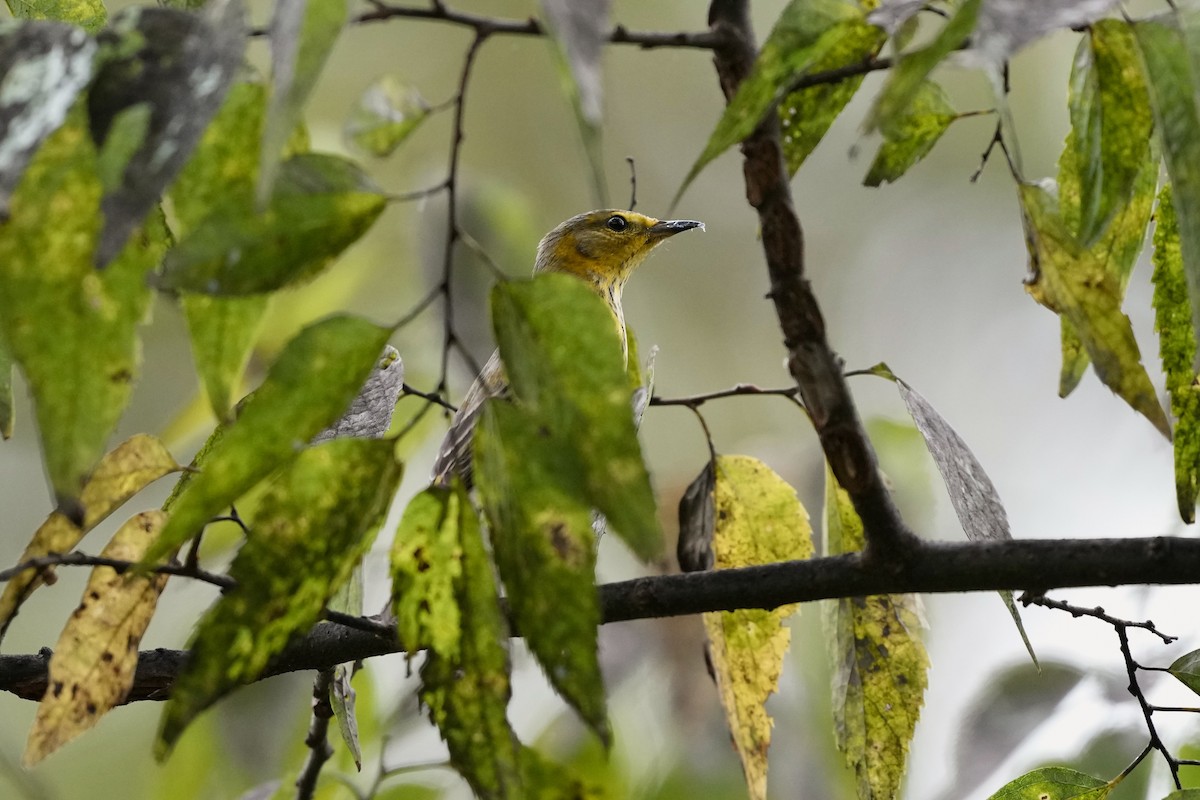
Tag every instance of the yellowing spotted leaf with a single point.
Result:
(758, 520)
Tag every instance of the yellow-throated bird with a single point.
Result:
(602, 248)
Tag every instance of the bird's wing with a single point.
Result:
(454, 455)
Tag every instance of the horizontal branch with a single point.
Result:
(1034, 566)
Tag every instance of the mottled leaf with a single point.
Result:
(1071, 282)
(1054, 783)
(43, 67)
(806, 115)
(426, 571)
(880, 667)
(1177, 350)
(93, 665)
(322, 204)
(87, 14)
(564, 361)
(130, 467)
(71, 330)
(910, 73)
(803, 37)
(911, 134)
(384, 117)
(533, 488)
(302, 35)
(170, 70)
(1173, 84)
(759, 520)
(313, 524)
(311, 382)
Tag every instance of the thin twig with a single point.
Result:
(740, 390)
(432, 397)
(317, 740)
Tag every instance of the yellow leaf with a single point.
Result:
(126, 470)
(93, 664)
(759, 520)
(879, 665)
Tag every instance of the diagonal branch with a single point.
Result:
(811, 361)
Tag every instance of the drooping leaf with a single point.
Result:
(803, 37)
(71, 330)
(911, 72)
(342, 698)
(302, 35)
(1172, 79)
(532, 488)
(164, 74)
(563, 359)
(93, 665)
(426, 572)
(224, 165)
(322, 204)
(879, 664)
(974, 498)
(807, 114)
(911, 134)
(1177, 351)
(87, 14)
(1054, 783)
(126, 470)
(311, 382)
(385, 115)
(43, 66)
(759, 520)
(1069, 281)
(313, 523)
(1111, 124)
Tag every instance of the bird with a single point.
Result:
(601, 248)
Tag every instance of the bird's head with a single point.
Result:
(604, 247)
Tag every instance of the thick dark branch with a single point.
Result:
(811, 361)
(1034, 566)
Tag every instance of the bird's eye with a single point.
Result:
(617, 223)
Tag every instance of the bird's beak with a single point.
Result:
(670, 227)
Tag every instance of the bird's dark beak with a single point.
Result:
(670, 227)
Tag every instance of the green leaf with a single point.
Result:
(71, 329)
(426, 570)
(386, 115)
(87, 14)
(911, 134)
(880, 667)
(1054, 783)
(313, 524)
(302, 35)
(322, 204)
(563, 358)
(1177, 351)
(224, 165)
(541, 530)
(1111, 123)
(759, 520)
(1184, 794)
(1171, 77)
(804, 38)
(1071, 282)
(909, 74)
(465, 679)
(311, 382)
(806, 115)
(1186, 670)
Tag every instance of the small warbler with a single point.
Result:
(602, 248)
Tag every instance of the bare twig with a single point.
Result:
(740, 390)
(317, 740)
